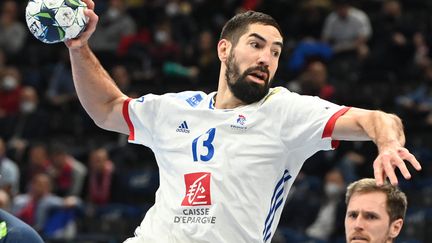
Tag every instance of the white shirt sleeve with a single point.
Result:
(141, 116)
(308, 122)
(327, 32)
(365, 29)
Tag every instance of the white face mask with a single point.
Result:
(27, 107)
(333, 190)
(172, 9)
(113, 13)
(9, 83)
(161, 36)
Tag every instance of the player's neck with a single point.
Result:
(225, 99)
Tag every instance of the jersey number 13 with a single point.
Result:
(207, 140)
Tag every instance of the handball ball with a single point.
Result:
(52, 21)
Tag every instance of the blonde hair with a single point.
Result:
(396, 199)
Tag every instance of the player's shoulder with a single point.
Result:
(332, 17)
(277, 93)
(189, 98)
(358, 13)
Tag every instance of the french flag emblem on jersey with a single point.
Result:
(197, 189)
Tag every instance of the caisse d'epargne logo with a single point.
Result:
(197, 189)
(197, 195)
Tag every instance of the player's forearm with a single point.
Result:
(383, 128)
(96, 90)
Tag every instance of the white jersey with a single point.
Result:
(225, 173)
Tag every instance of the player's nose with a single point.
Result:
(359, 223)
(264, 58)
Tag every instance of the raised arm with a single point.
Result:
(386, 131)
(96, 90)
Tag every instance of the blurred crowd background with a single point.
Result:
(74, 182)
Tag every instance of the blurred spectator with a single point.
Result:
(206, 60)
(61, 89)
(31, 123)
(67, 172)
(183, 25)
(347, 29)
(422, 51)
(5, 200)
(416, 105)
(303, 203)
(12, 32)
(10, 91)
(308, 21)
(329, 221)
(10, 174)
(121, 77)
(38, 163)
(313, 81)
(114, 24)
(100, 177)
(164, 48)
(393, 41)
(3, 60)
(307, 50)
(35, 207)
(62, 98)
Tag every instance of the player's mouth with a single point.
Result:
(258, 76)
(358, 238)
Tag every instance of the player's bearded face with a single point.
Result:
(244, 90)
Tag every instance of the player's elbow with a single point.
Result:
(101, 123)
(110, 116)
(113, 121)
(100, 119)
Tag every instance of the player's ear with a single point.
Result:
(395, 228)
(223, 49)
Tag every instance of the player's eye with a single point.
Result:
(370, 216)
(276, 53)
(352, 215)
(254, 44)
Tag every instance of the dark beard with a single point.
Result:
(247, 92)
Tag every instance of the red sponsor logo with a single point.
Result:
(197, 189)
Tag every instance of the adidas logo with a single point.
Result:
(183, 128)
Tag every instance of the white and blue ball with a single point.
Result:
(53, 21)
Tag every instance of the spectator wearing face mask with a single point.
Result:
(10, 90)
(30, 123)
(328, 223)
(115, 23)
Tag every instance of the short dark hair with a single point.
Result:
(239, 24)
(396, 199)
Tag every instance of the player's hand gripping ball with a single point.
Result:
(53, 21)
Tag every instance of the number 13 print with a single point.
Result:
(208, 138)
